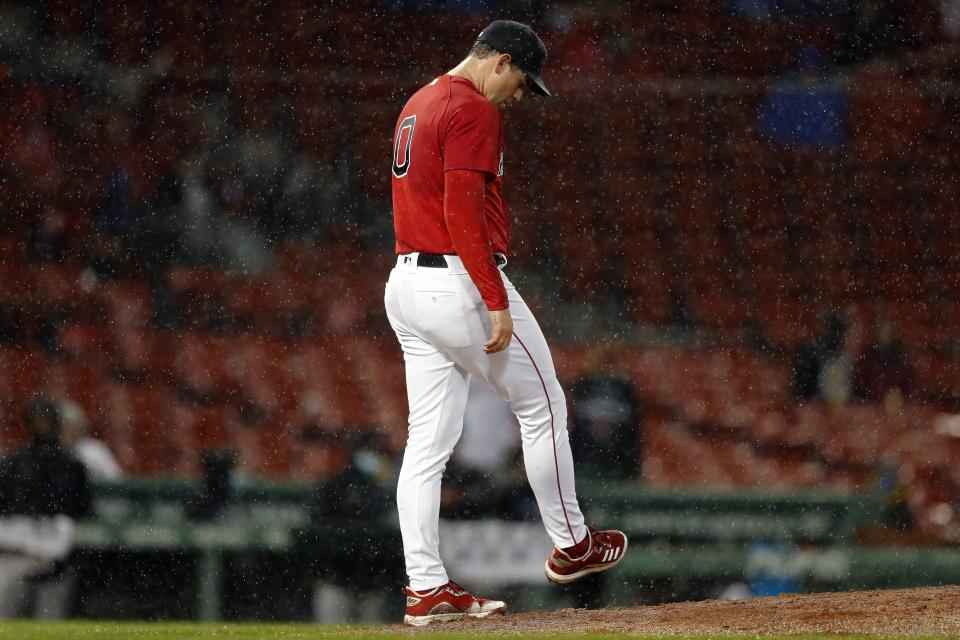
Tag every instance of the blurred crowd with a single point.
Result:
(197, 218)
(745, 207)
(849, 362)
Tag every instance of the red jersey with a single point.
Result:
(449, 125)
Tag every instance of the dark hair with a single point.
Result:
(482, 50)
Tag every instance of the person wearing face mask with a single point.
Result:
(43, 489)
(350, 541)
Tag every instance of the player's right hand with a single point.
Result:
(502, 331)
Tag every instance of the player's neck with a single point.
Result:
(468, 69)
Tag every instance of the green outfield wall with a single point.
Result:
(677, 538)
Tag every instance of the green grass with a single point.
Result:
(28, 630)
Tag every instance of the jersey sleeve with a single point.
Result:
(471, 137)
(463, 211)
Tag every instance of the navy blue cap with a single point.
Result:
(525, 47)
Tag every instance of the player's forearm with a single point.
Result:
(463, 211)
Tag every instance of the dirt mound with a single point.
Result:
(927, 611)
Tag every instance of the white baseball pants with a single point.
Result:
(442, 324)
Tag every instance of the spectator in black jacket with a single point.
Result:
(43, 488)
(353, 546)
(607, 433)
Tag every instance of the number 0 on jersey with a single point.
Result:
(401, 148)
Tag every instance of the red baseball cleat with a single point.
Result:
(606, 549)
(446, 603)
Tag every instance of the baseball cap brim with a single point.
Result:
(536, 84)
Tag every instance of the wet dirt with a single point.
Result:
(924, 611)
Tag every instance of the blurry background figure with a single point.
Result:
(490, 431)
(882, 373)
(514, 497)
(607, 434)
(809, 356)
(894, 492)
(835, 383)
(43, 488)
(94, 454)
(485, 476)
(469, 494)
(217, 493)
(350, 533)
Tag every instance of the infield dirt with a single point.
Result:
(933, 611)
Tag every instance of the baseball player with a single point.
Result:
(457, 316)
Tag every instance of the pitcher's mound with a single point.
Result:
(925, 611)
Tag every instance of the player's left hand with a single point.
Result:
(502, 331)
